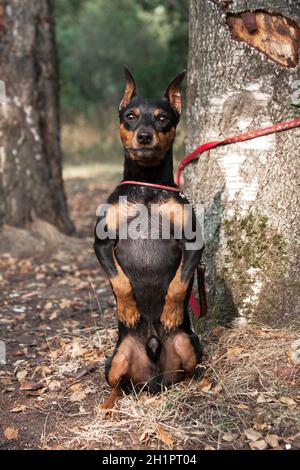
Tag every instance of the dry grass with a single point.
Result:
(249, 379)
(109, 173)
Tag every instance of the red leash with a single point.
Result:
(200, 309)
(282, 126)
(151, 185)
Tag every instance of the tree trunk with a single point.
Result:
(31, 184)
(243, 64)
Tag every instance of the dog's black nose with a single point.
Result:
(144, 137)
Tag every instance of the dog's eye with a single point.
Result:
(163, 118)
(130, 116)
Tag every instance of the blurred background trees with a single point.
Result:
(31, 184)
(95, 39)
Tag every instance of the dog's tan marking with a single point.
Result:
(135, 111)
(158, 111)
(127, 310)
(161, 140)
(118, 213)
(170, 364)
(172, 314)
(130, 90)
(110, 402)
(127, 137)
(119, 367)
(131, 360)
(140, 370)
(185, 351)
(166, 140)
(176, 213)
(178, 358)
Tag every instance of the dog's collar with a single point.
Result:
(151, 185)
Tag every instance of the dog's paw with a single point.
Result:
(172, 315)
(128, 313)
(110, 402)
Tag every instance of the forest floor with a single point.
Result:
(57, 320)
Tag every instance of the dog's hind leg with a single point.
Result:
(117, 368)
(129, 365)
(181, 353)
(188, 348)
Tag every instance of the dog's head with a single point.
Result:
(148, 127)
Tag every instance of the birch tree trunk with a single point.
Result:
(243, 65)
(31, 183)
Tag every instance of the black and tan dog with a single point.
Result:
(151, 277)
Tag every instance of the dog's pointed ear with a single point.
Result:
(173, 92)
(130, 89)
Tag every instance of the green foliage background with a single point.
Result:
(97, 37)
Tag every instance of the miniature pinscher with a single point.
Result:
(151, 275)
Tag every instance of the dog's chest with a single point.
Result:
(146, 211)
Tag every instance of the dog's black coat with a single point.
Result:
(150, 265)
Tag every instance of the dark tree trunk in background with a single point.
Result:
(31, 183)
(243, 62)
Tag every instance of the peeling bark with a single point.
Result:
(274, 35)
(250, 190)
(31, 183)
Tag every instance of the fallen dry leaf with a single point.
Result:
(229, 437)
(164, 436)
(76, 348)
(260, 423)
(263, 398)
(25, 266)
(252, 434)
(218, 331)
(205, 384)
(145, 437)
(258, 445)
(54, 315)
(65, 303)
(11, 433)
(288, 401)
(31, 385)
(54, 385)
(18, 409)
(233, 352)
(272, 440)
(53, 354)
(76, 387)
(78, 396)
(217, 389)
(21, 374)
(242, 406)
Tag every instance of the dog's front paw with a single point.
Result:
(128, 312)
(172, 315)
(110, 402)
